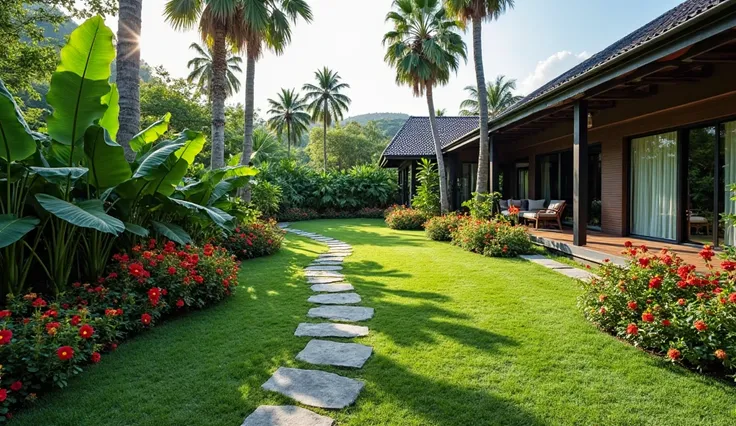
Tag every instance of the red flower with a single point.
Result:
(681, 302)
(632, 329)
(732, 297)
(666, 323)
(5, 313)
(647, 317)
(644, 262)
(154, 294)
(171, 270)
(16, 386)
(180, 303)
(136, 269)
(145, 319)
(76, 319)
(52, 327)
(706, 253)
(700, 325)
(86, 331)
(628, 244)
(95, 358)
(602, 310)
(65, 353)
(602, 298)
(632, 305)
(39, 303)
(3, 394)
(673, 354)
(655, 282)
(728, 265)
(199, 279)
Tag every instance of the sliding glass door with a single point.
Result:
(654, 186)
(727, 133)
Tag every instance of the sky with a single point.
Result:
(532, 43)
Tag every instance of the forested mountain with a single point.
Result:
(388, 122)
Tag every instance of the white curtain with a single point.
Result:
(729, 177)
(654, 186)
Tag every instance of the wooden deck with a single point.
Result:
(603, 246)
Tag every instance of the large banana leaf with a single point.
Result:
(150, 134)
(173, 232)
(136, 229)
(81, 81)
(16, 140)
(13, 228)
(105, 159)
(219, 217)
(85, 214)
(60, 175)
(156, 160)
(169, 174)
(110, 120)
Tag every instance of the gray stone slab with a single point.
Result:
(330, 259)
(325, 352)
(577, 274)
(285, 415)
(332, 288)
(330, 329)
(326, 263)
(331, 255)
(341, 313)
(323, 274)
(335, 299)
(314, 388)
(323, 268)
(545, 261)
(324, 280)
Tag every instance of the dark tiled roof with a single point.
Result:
(415, 137)
(668, 21)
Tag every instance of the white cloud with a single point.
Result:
(550, 68)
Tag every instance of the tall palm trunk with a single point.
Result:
(324, 135)
(128, 64)
(218, 91)
(444, 201)
(288, 138)
(483, 153)
(250, 77)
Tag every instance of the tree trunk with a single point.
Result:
(250, 76)
(483, 153)
(444, 200)
(218, 91)
(128, 64)
(324, 135)
(288, 139)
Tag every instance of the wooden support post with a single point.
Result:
(494, 169)
(580, 201)
(412, 180)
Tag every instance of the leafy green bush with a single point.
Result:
(255, 239)
(427, 199)
(296, 214)
(492, 238)
(405, 218)
(440, 228)
(370, 213)
(660, 303)
(266, 198)
(483, 206)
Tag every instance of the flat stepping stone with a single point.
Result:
(545, 261)
(331, 255)
(325, 280)
(341, 313)
(329, 259)
(323, 268)
(326, 263)
(335, 299)
(285, 415)
(325, 352)
(314, 388)
(332, 288)
(327, 274)
(329, 329)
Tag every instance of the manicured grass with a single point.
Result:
(458, 339)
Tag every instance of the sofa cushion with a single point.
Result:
(525, 204)
(504, 204)
(516, 203)
(536, 205)
(555, 205)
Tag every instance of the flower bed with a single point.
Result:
(492, 238)
(43, 343)
(406, 218)
(440, 228)
(662, 304)
(298, 214)
(255, 239)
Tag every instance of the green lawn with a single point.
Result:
(458, 339)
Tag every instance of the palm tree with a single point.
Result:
(476, 11)
(289, 113)
(326, 102)
(202, 70)
(500, 97)
(425, 48)
(220, 24)
(265, 21)
(128, 63)
(441, 112)
(266, 146)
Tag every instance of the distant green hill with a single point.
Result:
(389, 122)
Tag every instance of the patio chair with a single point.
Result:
(697, 223)
(553, 213)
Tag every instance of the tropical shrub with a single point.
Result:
(405, 218)
(427, 198)
(255, 239)
(370, 213)
(440, 228)
(295, 214)
(266, 198)
(483, 206)
(663, 304)
(492, 238)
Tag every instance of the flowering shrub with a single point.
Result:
(296, 214)
(662, 304)
(370, 213)
(406, 218)
(492, 238)
(440, 228)
(43, 343)
(255, 239)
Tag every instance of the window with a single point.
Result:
(522, 180)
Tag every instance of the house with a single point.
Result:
(640, 138)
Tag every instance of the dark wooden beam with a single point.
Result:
(580, 174)
(709, 45)
(494, 168)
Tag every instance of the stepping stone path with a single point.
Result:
(556, 266)
(311, 387)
